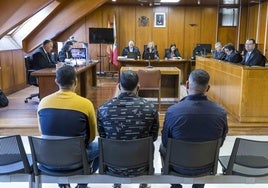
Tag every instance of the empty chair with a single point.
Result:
(58, 157)
(31, 80)
(150, 80)
(248, 158)
(14, 161)
(191, 156)
(126, 158)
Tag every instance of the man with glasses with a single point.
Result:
(253, 56)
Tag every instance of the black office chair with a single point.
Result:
(58, 157)
(31, 80)
(191, 155)
(145, 47)
(15, 165)
(248, 158)
(126, 158)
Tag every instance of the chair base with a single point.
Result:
(31, 96)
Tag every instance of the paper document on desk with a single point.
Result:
(75, 62)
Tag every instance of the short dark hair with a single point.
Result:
(66, 46)
(253, 40)
(66, 76)
(229, 47)
(46, 42)
(199, 79)
(129, 80)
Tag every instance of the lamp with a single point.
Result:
(169, 1)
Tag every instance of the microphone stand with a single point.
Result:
(149, 62)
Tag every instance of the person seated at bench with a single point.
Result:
(64, 113)
(131, 48)
(172, 52)
(195, 119)
(218, 53)
(150, 52)
(128, 117)
(231, 54)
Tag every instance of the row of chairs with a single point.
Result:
(248, 158)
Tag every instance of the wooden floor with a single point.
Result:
(20, 118)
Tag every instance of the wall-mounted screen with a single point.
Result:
(101, 35)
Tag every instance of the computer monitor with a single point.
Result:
(205, 48)
(132, 55)
(79, 53)
(201, 49)
(149, 56)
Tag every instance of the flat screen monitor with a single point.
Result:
(101, 35)
(149, 56)
(79, 53)
(204, 48)
(132, 55)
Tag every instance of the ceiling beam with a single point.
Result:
(15, 12)
(59, 20)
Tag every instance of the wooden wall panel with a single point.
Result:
(12, 71)
(243, 26)
(191, 32)
(175, 22)
(7, 70)
(266, 32)
(209, 25)
(263, 27)
(19, 68)
(252, 22)
(227, 35)
(144, 33)
(127, 26)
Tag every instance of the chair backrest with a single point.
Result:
(125, 155)
(13, 158)
(149, 79)
(192, 156)
(59, 156)
(28, 65)
(145, 47)
(248, 158)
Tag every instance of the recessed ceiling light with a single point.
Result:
(169, 1)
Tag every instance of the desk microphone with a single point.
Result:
(149, 65)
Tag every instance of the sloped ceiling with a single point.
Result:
(60, 19)
(15, 12)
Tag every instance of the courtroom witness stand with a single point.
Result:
(253, 56)
(65, 52)
(194, 119)
(131, 48)
(128, 117)
(218, 53)
(66, 114)
(231, 54)
(41, 57)
(173, 52)
(150, 49)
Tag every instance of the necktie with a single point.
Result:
(48, 58)
(247, 56)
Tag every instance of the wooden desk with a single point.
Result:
(184, 65)
(240, 89)
(170, 79)
(86, 76)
